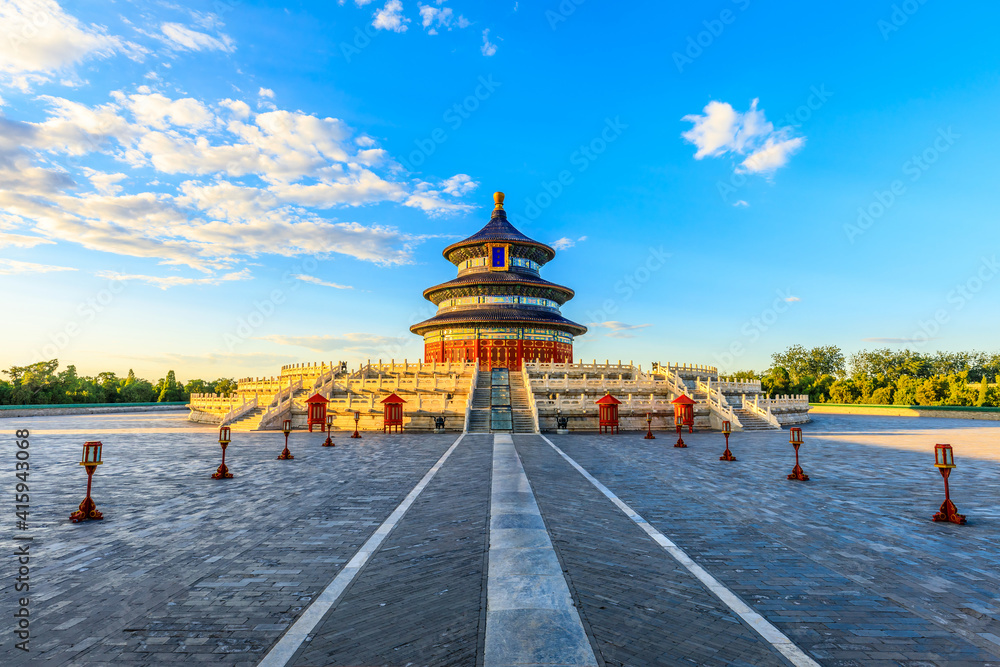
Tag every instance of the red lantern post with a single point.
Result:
(357, 418)
(944, 460)
(329, 429)
(679, 420)
(317, 410)
(607, 414)
(224, 440)
(88, 508)
(727, 455)
(286, 428)
(684, 409)
(393, 415)
(795, 438)
(649, 428)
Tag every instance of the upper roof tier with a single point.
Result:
(498, 230)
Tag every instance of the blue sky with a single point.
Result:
(220, 188)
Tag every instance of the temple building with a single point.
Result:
(498, 357)
(499, 311)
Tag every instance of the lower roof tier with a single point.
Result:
(498, 282)
(501, 316)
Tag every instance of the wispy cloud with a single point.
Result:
(166, 282)
(317, 281)
(618, 329)
(183, 38)
(566, 242)
(22, 241)
(11, 267)
(489, 48)
(39, 41)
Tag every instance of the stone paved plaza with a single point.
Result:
(846, 569)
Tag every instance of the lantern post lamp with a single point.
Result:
(727, 455)
(649, 428)
(357, 418)
(944, 460)
(795, 438)
(679, 420)
(88, 508)
(286, 428)
(329, 428)
(224, 440)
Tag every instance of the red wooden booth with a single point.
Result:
(684, 408)
(607, 407)
(393, 413)
(317, 411)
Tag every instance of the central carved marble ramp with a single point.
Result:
(530, 616)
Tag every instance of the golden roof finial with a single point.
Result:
(498, 198)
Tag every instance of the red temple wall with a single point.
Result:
(499, 353)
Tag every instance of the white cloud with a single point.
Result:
(40, 40)
(722, 130)
(105, 183)
(390, 17)
(433, 18)
(291, 167)
(459, 184)
(239, 108)
(13, 267)
(316, 281)
(489, 48)
(565, 242)
(166, 282)
(160, 112)
(772, 155)
(618, 329)
(21, 241)
(792, 299)
(266, 92)
(741, 203)
(183, 38)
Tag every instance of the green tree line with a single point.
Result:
(883, 376)
(42, 383)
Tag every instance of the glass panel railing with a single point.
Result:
(500, 396)
(500, 420)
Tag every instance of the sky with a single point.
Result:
(220, 188)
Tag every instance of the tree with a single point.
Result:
(882, 396)
(138, 391)
(35, 383)
(225, 386)
(932, 391)
(170, 389)
(800, 362)
(843, 391)
(906, 390)
(197, 387)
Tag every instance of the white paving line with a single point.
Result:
(293, 638)
(762, 626)
(530, 615)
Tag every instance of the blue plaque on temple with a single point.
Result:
(499, 257)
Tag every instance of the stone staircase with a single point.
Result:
(512, 397)
(251, 420)
(479, 417)
(524, 422)
(751, 422)
(248, 422)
